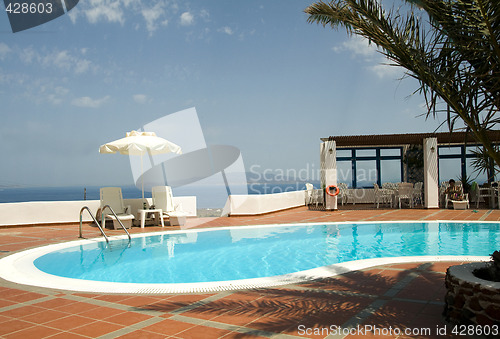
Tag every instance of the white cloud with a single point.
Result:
(379, 64)
(105, 10)
(61, 59)
(153, 12)
(358, 46)
(205, 15)
(226, 29)
(4, 50)
(140, 98)
(27, 55)
(89, 102)
(73, 14)
(152, 15)
(385, 70)
(187, 19)
(57, 96)
(82, 66)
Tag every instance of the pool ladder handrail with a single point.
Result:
(95, 220)
(104, 216)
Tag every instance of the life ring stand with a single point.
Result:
(337, 190)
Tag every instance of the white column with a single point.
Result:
(431, 180)
(329, 171)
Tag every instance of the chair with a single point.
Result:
(308, 193)
(457, 204)
(417, 193)
(317, 197)
(405, 192)
(382, 195)
(442, 191)
(163, 199)
(442, 195)
(344, 193)
(112, 196)
(485, 192)
(449, 197)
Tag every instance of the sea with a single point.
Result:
(206, 197)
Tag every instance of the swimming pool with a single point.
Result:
(243, 257)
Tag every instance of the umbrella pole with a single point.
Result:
(142, 179)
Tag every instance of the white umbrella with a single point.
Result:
(140, 143)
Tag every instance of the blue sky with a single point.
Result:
(261, 78)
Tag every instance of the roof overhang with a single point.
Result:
(387, 140)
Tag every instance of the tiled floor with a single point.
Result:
(376, 302)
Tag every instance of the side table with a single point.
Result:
(156, 211)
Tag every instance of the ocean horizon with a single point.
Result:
(207, 197)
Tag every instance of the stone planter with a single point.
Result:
(471, 300)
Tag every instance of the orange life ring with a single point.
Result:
(337, 190)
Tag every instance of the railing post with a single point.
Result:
(97, 223)
(118, 219)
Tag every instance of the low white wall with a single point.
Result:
(263, 203)
(50, 212)
(43, 212)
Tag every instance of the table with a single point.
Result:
(156, 211)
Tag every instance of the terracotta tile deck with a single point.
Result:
(375, 300)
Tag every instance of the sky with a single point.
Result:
(261, 78)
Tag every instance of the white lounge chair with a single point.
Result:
(448, 199)
(112, 196)
(163, 199)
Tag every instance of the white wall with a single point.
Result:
(263, 203)
(51, 212)
(266, 203)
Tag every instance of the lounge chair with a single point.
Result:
(449, 199)
(162, 198)
(112, 196)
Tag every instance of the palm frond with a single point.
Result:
(453, 52)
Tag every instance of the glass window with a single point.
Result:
(470, 149)
(390, 171)
(449, 150)
(344, 172)
(449, 169)
(390, 151)
(344, 153)
(366, 173)
(365, 153)
(480, 178)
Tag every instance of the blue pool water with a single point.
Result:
(243, 253)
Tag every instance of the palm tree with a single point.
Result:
(450, 46)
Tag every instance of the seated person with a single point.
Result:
(454, 192)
